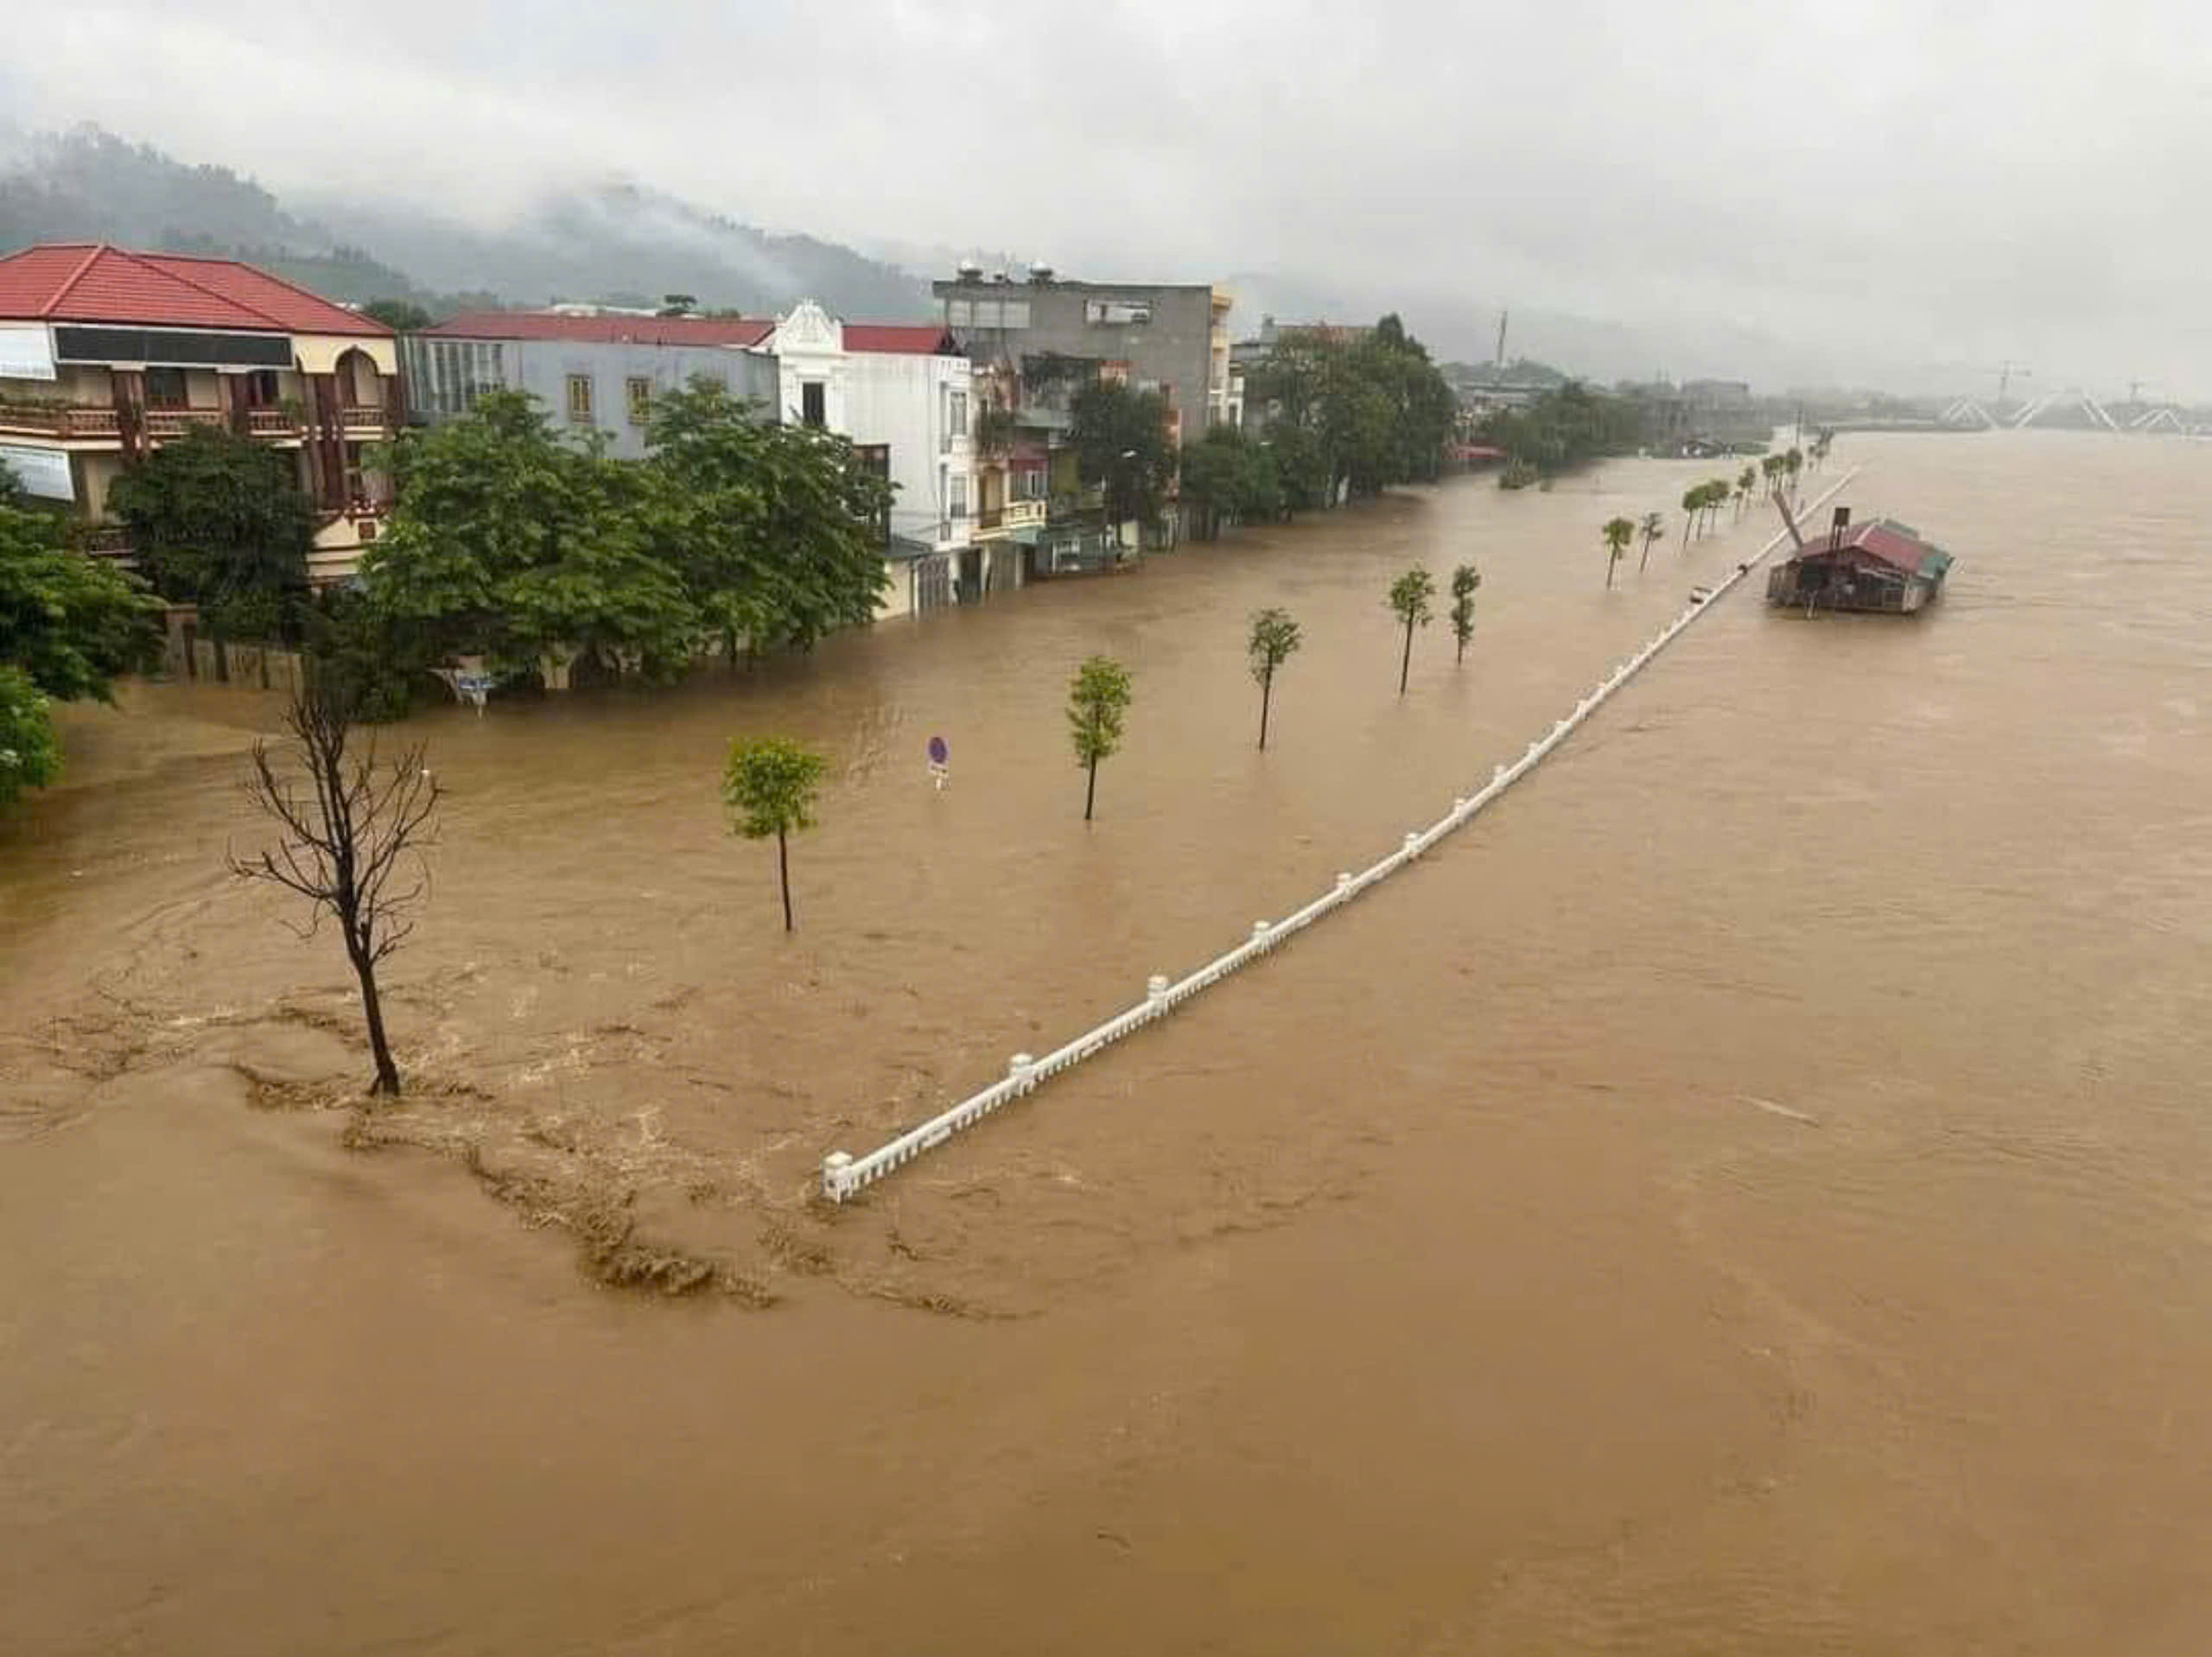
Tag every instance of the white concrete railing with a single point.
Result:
(843, 1174)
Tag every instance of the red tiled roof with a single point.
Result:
(90, 281)
(606, 330)
(288, 304)
(921, 340)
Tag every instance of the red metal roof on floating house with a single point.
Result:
(733, 330)
(1896, 544)
(92, 283)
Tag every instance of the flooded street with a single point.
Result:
(1746, 1193)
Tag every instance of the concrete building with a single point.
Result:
(106, 354)
(905, 397)
(1023, 331)
(589, 370)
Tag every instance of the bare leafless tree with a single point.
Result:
(348, 827)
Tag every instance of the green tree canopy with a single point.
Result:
(776, 531)
(1565, 428)
(1120, 440)
(1273, 639)
(1465, 581)
(1409, 600)
(31, 753)
(1618, 532)
(70, 624)
(770, 784)
(509, 541)
(220, 521)
(1098, 701)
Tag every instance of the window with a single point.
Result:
(357, 486)
(959, 495)
(261, 389)
(955, 413)
(1113, 313)
(1017, 314)
(639, 394)
(875, 460)
(580, 398)
(813, 403)
(959, 313)
(1029, 483)
(986, 313)
(165, 388)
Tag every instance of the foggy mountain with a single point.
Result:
(621, 242)
(614, 242)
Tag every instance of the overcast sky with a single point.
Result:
(1954, 181)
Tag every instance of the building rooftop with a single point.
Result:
(702, 331)
(93, 281)
(921, 340)
(1898, 545)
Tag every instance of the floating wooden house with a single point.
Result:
(1880, 565)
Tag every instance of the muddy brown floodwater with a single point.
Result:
(1748, 1193)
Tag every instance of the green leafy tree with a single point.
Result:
(1098, 701)
(770, 785)
(777, 532)
(220, 521)
(1564, 428)
(1651, 528)
(1213, 485)
(31, 753)
(400, 316)
(1747, 482)
(72, 624)
(1409, 599)
(1693, 507)
(349, 841)
(1120, 436)
(1300, 467)
(1770, 470)
(1464, 581)
(1260, 492)
(1618, 532)
(1273, 639)
(509, 541)
(1792, 464)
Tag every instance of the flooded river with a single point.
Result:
(1747, 1193)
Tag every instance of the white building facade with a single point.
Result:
(906, 396)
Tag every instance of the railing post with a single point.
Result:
(1019, 1068)
(1156, 988)
(1412, 840)
(834, 1175)
(1343, 881)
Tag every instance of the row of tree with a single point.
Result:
(1702, 502)
(1347, 417)
(1560, 430)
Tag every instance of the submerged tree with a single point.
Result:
(1465, 580)
(1618, 532)
(1275, 637)
(1098, 697)
(350, 838)
(1409, 599)
(770, 785)
(1651, 528)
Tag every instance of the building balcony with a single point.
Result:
(174, 422)
(272, 422)
(56, 420)
(364, 416)
(106, 541)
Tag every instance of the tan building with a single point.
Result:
(106, 354)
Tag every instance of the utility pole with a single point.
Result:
(1501, 316)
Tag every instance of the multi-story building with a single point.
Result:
(902, 394)
(1024, 334)
(105, 354)
(590, 370)
(905, 397)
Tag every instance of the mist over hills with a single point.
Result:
(625, 242)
